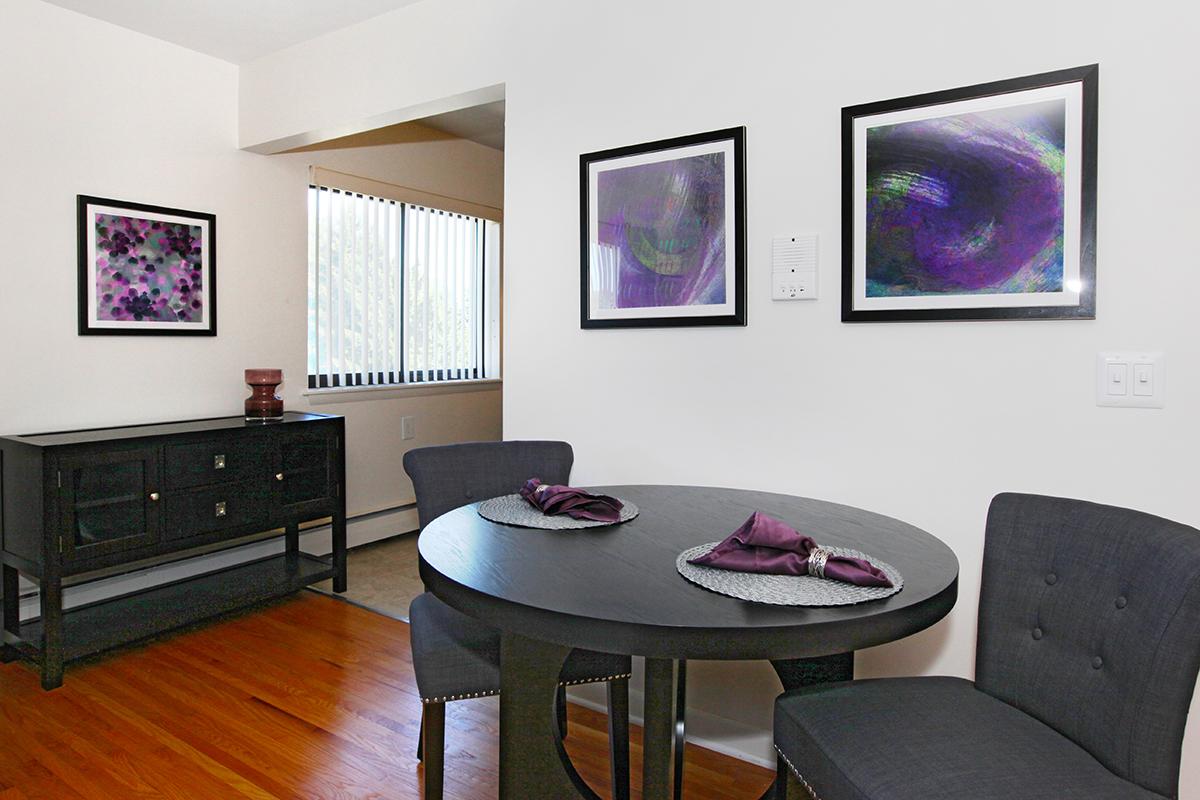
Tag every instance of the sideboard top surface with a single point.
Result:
(64, 438)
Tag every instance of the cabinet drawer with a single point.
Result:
(214, 509)
(217, 461)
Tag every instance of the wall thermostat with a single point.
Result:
(794, 267)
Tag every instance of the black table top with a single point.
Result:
(616, 589)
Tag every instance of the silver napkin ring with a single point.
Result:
(816, 561)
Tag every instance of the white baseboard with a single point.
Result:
(719, 734)
(317, 541)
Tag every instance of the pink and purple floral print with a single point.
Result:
(148, 270)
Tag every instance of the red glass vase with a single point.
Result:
(263, 403)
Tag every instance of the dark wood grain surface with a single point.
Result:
(158, 492)
(194, 426)
(616, 588)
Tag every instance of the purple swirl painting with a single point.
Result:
(967, 203)
(147, 270)
(663, 224)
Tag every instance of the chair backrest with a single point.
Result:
(1089, 620)
(454, 475)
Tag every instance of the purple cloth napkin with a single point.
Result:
(577, 503)
(764, 544)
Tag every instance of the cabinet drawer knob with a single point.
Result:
(154, 496)
(278, 476)
(220, 509)
(219, 462)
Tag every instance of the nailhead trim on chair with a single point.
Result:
(451, 698)
(796, 772)
(596, 680)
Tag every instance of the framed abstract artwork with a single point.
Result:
(146, 270)
(972, 203)
(663, 232)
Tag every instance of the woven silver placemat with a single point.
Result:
(512, 509)
(786, 590)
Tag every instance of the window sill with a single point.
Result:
(350, 394)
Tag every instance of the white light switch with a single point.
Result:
(1118, 378)
(408, 427)
(794, 267)
(1131, 379)
(1143, 380)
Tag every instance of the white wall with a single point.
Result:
(96, 109)
(922, 421)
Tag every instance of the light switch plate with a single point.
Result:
(1131, 379)
(408, 427)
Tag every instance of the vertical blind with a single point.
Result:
(396, 291)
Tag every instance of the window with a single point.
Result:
(399, 293)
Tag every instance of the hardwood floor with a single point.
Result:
(309, 698)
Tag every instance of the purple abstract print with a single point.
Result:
(662, 228)
(147, 270)
(967, 203)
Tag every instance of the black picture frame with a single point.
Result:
(734, 139)
(854, 304)
(89, 296)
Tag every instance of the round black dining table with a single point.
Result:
(616, 589)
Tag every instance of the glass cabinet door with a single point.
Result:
(108, 501)
(305, 477)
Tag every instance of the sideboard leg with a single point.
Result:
(10, 602)
(52, 631)
(339, 552)
(291, 537)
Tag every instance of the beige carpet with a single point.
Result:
(382, 575)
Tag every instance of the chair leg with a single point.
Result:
(421, 736)
(795, 790)
(618, 737)
(779, 788)
(787, 786)
(433, 730)
(560, 710)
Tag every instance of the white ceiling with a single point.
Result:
(234, 30)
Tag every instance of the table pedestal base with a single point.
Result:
(535, 766)
(662, 754)
(533, 763)
(795, 673)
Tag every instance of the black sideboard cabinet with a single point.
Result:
(82, 505)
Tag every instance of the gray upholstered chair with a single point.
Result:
(456, 656)
(1089, 642)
